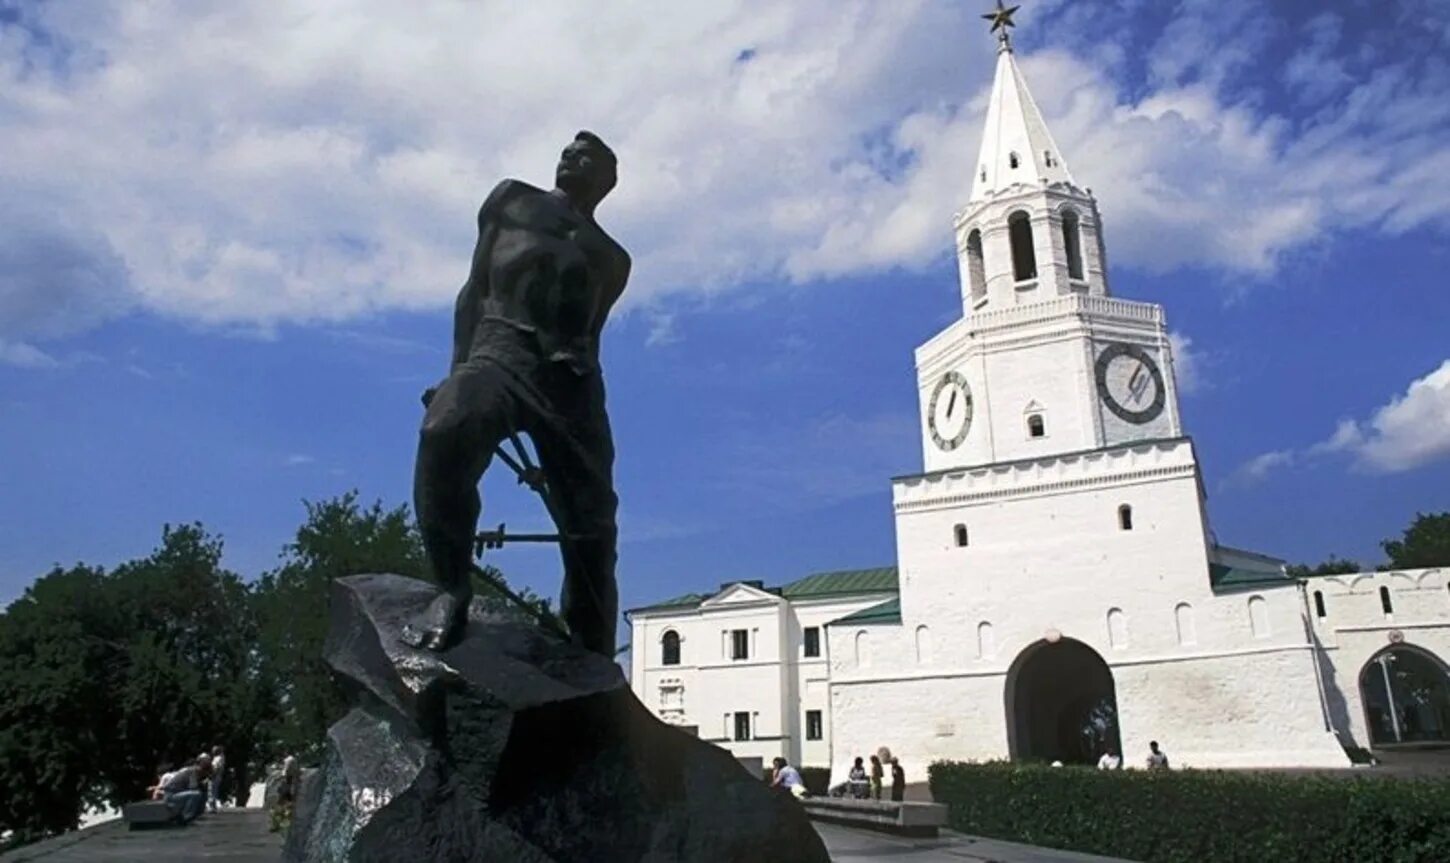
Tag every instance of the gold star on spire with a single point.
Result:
(1001, 19)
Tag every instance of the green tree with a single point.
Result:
(54, 649)
(1425, 543)
(192, 678)
(103, 676)
(339, 538)
(1333, 565)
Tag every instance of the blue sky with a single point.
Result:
(229, 243)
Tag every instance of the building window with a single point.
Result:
(1125, 517)
(1117, 629)
(976, 265)
(1036, 427)
(985, 646)
(1072, 243)
(1024, 257)
(670, 648)
(1047, 158)
(1385, 602)
(742, 725)
(813, 725)
(960, 533)
(1259, 617)
(983, 175)
(813, 641)
(1013, 161)
(672, 701)
(1183, 619)
(863, 649)
(1319, 603)
(923, 645)
(739, 644)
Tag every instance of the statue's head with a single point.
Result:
(587, 169)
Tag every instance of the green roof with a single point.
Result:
(1224, 577)
(887, 612)
(882, 579)
(688, 600)
(844, 582)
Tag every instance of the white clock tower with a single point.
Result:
(1054, 554)
(1044, 361)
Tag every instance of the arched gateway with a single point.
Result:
(1060, 704)
(1406, 695)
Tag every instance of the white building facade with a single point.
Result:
(1058, 590)
(749, 667)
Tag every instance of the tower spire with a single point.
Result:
(1017, 148)
(1028, 233)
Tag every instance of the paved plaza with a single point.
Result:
(240, 836)
(229, 836)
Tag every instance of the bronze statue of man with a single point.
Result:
(526, 333)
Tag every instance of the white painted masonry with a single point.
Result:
(1054, 555)
(776, 684)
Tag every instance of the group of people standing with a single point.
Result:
(192, 787)
(1110, 760)
(864, 785)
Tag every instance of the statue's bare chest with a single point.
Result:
(535, 228)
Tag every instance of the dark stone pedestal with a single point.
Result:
(516, 746)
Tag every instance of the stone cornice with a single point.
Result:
(1025, 477)
(1045, 488)
(1122, 662)
(1076, 307)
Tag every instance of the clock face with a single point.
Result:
(949, 414)
(1130, 384)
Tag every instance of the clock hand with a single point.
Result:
(951, 403)
(1138, 383)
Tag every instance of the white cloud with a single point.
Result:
(1410, 431)
(663, 329)
(25, 356)
(1188, 363)
(299, 459)
(1413, 429)
(1259, 467)
(231, 164)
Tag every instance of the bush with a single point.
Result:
(1197, 815)
(817, 779)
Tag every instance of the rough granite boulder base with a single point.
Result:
(516, 746)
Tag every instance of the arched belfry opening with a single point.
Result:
(1061, 704)
(1072, 243)
(1024, 257)
(976, 265)
(1406, 695)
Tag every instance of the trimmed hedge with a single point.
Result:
(817, 779)
(1188, 816)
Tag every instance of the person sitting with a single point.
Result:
(1157, 758)
(1109, 760)
(788, 778)
(181, 789)
(859, 781)
(163, 773)
(214, 787)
